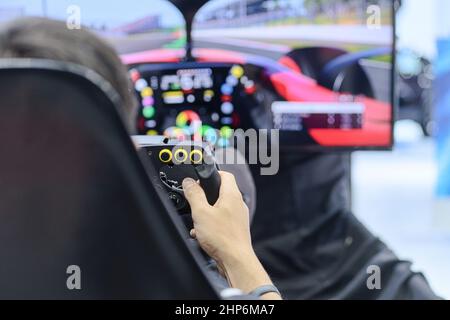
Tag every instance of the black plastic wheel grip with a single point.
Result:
(210, 181)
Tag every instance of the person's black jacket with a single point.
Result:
(312, 245)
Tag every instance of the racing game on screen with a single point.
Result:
(319, 71)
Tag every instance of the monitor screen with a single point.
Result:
(319, 72)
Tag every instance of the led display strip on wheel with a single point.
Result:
(195, 101)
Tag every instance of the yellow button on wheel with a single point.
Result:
(196, 156)
(165, 155)
(181, 155)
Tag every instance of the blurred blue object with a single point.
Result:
(442, 94)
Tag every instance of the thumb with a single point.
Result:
(194, 195)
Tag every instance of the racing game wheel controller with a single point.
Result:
(174, 161)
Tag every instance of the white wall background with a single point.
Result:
(418, 24)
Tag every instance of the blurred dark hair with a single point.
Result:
(51, 39)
